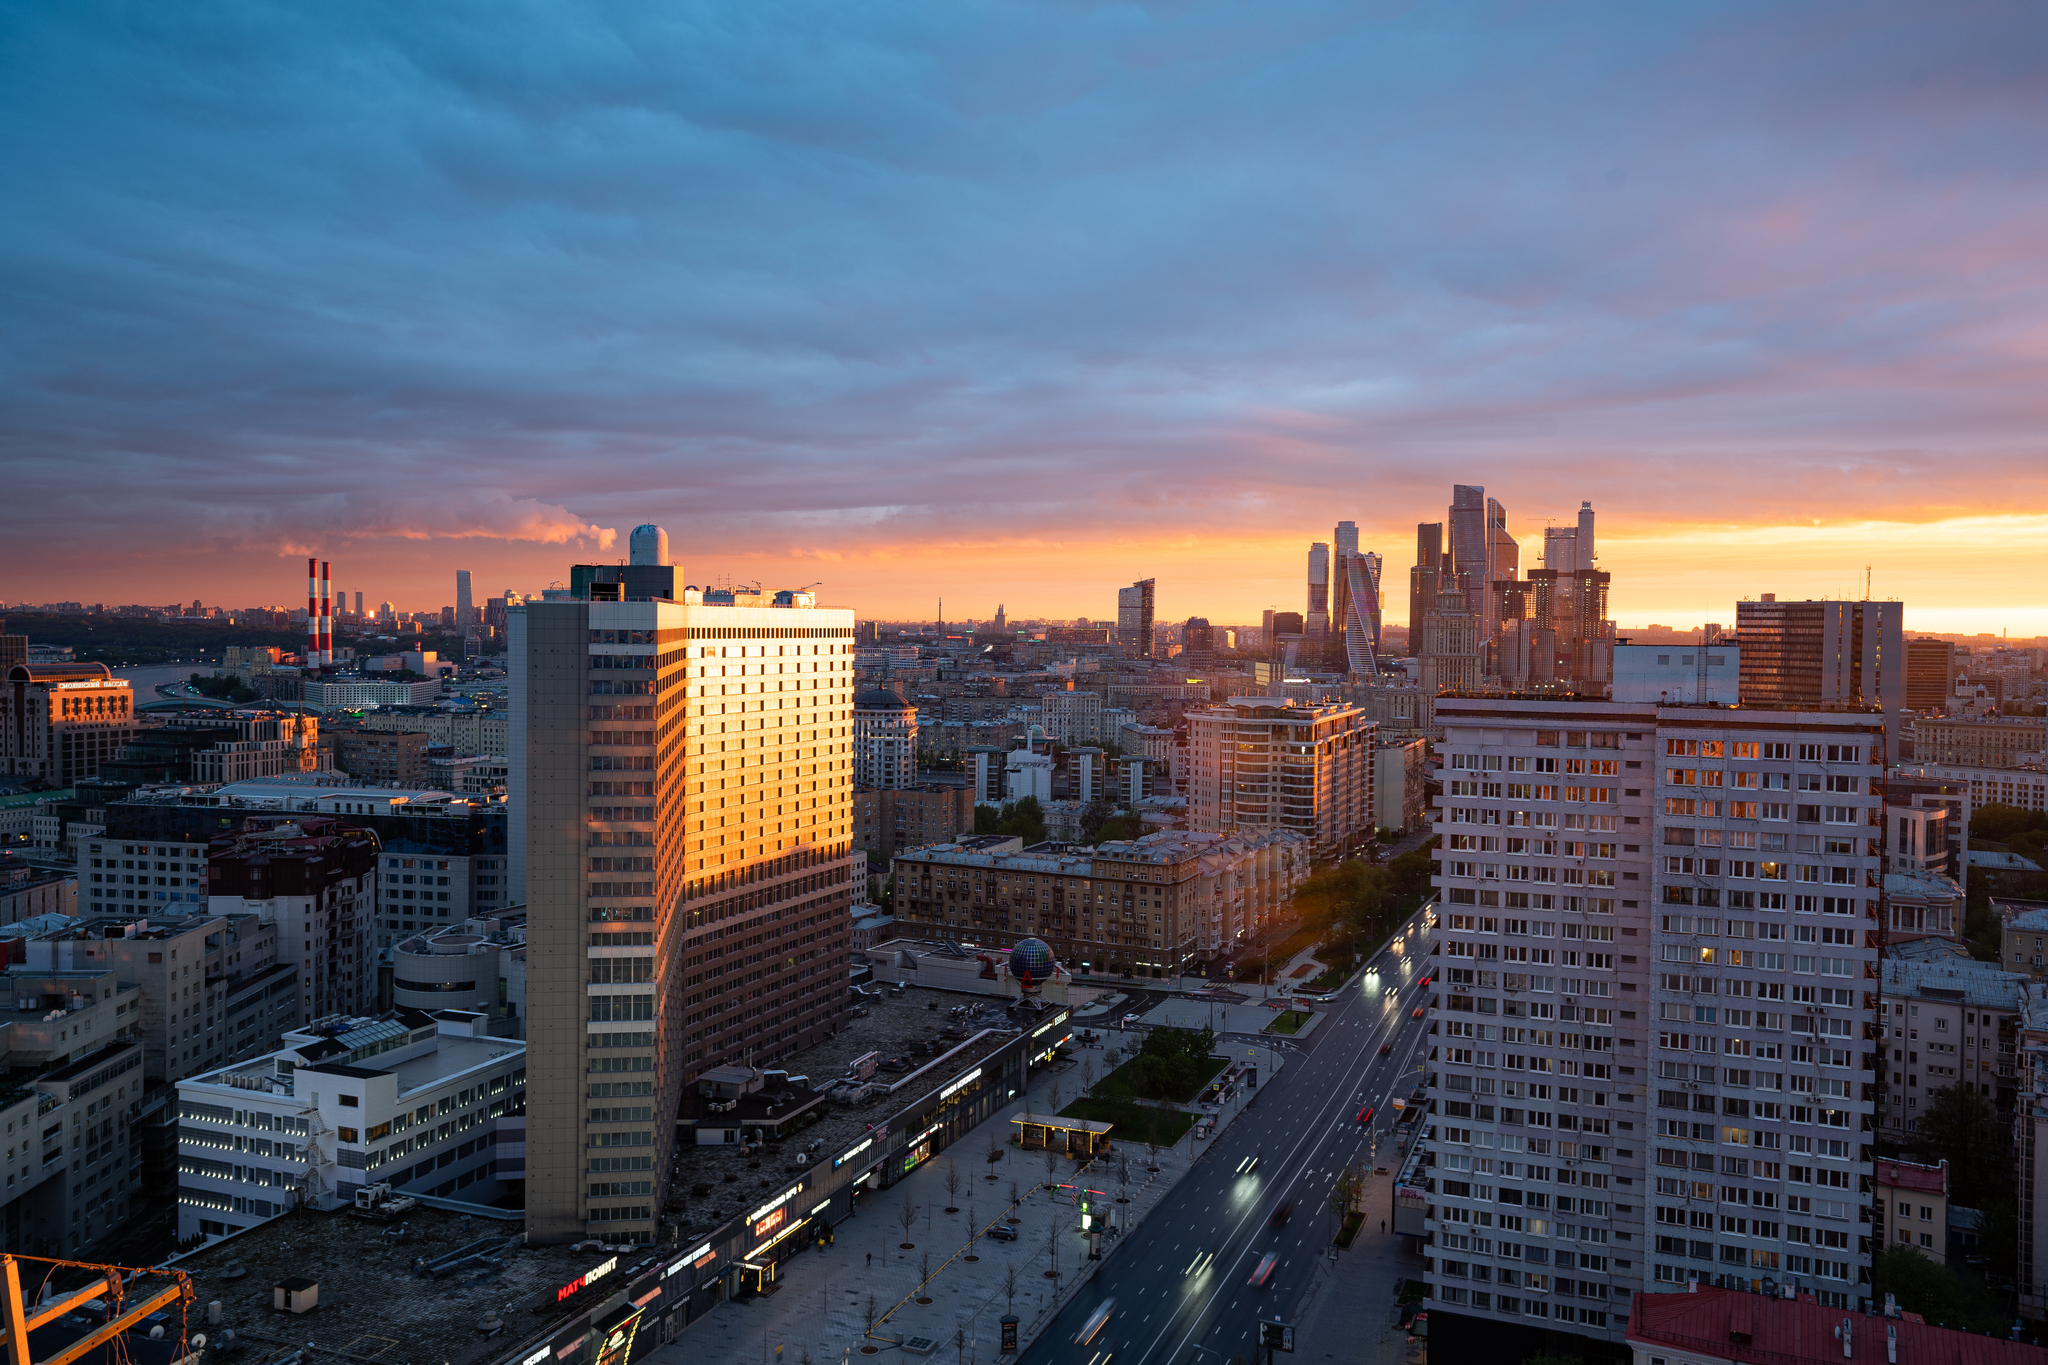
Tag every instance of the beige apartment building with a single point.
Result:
(1264, 763)
(682, 806)
(1990, 742)
(60, 722)
(1149, 907)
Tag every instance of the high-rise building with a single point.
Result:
(1642, 1034)
(1358, 612)
(884, 740)
(1823, 656)
(1930, 674)
(681, 799)
(1134, 619)
(1316, 620)
(465, 612)
(1468, 567)
(1423, 578)
(1344, 540)
(1263, 763)
(1198, 642)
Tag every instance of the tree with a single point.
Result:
(1010, 1288)
(1344, 1194)
(907, 1215)
(1933, 1291)
(1960, 1126)
(1022, 818)
(924, 1278)
(1052, 1248)
(973, 1234)
(867, 1313)
(1151, 1155)
(952, 1188)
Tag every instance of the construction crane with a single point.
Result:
(112, 1286)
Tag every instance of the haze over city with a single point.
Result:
(1005, 305)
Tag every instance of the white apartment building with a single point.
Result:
(428, 1103)
(1072, 717)
(1657, 929)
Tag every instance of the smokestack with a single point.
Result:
(312, 613)
(326, 618)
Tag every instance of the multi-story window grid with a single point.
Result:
(697, 914)
(1542, 928)
(1768, 874)
(1724, 1103)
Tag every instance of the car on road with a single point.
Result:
(1425, 981)
(1264, 1271)
(1248, 1165)
(1386, 1049)
(1280, 1215)
(1003, 1232)
(1096, 1322)
(1417, 1012)
(1365, 1114)
(1134, 1019)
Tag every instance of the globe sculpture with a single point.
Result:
(1031, 963)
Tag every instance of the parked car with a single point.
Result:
(1003, 1232)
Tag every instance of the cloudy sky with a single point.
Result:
(1012, 303)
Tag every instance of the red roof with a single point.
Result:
(1734, 1325)
(1907, 1175)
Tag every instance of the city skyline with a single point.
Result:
(927, 293)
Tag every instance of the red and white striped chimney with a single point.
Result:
(326, 618)
(312, 613)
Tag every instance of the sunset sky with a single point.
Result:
(1016, 303)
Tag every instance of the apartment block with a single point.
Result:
(1930, 674)
(211, 988)
(1149, 907)
(1946, 1021)
(466, 732)
(317, 887)
(72, 1167)
(682, 820)
(395, 758)
(427, 1103)
(1986, 742)
(1262, 763)
(1659, 934)
(886, 820)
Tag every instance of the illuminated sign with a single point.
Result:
(1049, 1024)
(587, 1278)
(673, 1267)
(857, 1149)
(969, 1079)
(542, 1354)
(778, 1201)
(771, 1222)
(617, 1347)
(821, 1208)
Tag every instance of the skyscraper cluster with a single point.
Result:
(1477, 621)
(1342, 624)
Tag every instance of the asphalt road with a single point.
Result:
(1179, 1280)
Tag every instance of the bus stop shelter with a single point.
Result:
(1081, 1138)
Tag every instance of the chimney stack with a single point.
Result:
(312, 613)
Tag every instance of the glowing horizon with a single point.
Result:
(1021, 305)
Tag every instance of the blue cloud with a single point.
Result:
(1112, 265)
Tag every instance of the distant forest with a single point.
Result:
(118, 641)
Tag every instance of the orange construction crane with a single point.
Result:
(112, 1286)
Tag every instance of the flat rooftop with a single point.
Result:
(372, 1307)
